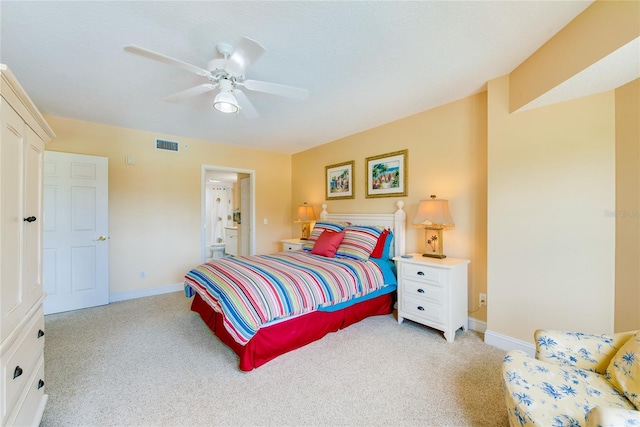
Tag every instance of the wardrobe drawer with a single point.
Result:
(19, 363)
(423, 273)
(31, 405)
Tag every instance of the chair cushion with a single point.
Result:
(601, 416)
(584, 351)
(624, 370)
(546, 394)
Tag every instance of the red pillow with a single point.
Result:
(377, 251)
(327, 244)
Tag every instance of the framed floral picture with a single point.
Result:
(386, 175)
(339, 181)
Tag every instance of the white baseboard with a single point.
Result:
(477, 325)
(505, 342)
(140, 293)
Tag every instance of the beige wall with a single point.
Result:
(627, 302)
(154, 205)
(551, 178)
(599, 30)
(551, 247)
(447, 157)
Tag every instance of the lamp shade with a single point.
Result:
(225, 102)
(305, 213)
(434, 212)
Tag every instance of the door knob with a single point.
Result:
(100, 239)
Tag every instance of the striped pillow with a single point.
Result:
(359, 241)
(318, 228)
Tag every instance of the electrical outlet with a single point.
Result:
(483, 299)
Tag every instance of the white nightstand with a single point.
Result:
(433, 292)
(289, 245)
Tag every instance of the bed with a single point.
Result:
(263, 306)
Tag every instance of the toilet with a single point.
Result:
(217, 250)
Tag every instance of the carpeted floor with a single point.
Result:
(151, 361)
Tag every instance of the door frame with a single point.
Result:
(203, 206)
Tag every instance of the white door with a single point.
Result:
(75, 231)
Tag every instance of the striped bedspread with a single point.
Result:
(252, 291)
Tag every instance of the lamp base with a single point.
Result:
(433, 243)
(434, 256)
(306, 230)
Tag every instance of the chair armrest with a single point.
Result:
(584, 351)
(601, 416)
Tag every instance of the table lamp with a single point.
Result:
(304, 216)
(434, 216)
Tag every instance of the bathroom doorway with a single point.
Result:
(228, 212)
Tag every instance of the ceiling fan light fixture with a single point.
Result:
(225, 102)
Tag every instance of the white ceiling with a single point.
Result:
(364, 63)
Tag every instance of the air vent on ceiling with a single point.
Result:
(163, 144)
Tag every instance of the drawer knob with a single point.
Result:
(421, 291)
(30, 219)
(17, 372)
(421, 308)
(40, 384)
(420, 273)
(40, 333)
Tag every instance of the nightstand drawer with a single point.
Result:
(429, 312)
(424, 291)
(290, 247)
(423, 273)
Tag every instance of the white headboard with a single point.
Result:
(396, 222)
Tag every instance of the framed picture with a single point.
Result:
(387, 174)
(339, 182)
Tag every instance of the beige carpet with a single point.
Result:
(152, 361)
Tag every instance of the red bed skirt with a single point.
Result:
(272, 341)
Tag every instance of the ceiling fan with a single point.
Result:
(226, 74)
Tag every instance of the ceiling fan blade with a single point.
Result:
(246, 107)
(276, 89)
(167, 60)
(191, 92)
(245, 53)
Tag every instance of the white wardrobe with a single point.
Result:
(22, 141)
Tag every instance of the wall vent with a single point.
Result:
(164, 144)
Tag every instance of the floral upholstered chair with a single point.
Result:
(575, 380)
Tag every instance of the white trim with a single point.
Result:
(203, 207)
(141, 293)
(505, 342)
(477, 325)
(37, 418)
(20, 101)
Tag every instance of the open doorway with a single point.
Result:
(227, 212)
